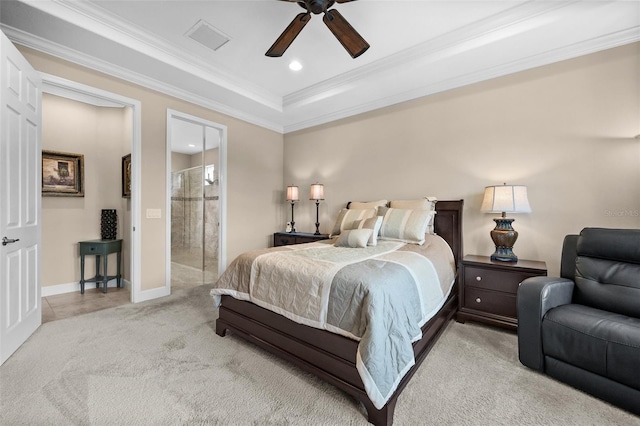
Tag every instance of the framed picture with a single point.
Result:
(62, 174)
(126, 176)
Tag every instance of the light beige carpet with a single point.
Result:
(161, 363)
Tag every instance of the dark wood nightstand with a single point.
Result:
(487, 289)
(289, 238)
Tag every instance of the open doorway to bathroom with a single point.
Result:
(195, 191)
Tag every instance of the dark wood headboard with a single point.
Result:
(448, 224)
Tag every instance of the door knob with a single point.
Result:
(6, 240)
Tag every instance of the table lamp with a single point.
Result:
(317, 194)
(292, 196)
(505, 199)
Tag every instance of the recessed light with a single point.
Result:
(191, 145)
(295, 66)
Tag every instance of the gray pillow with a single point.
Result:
(354, 238)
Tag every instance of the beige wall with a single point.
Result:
(98, 134)
(185, 161)
(565, 130)
(180, 161)
(254, 167)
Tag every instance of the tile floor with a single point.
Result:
(187, 267)
(183, 276)
(71, 304)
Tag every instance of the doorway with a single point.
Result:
(195, 200)
(129, 207)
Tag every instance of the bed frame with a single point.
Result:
(332, 357)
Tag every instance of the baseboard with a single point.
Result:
(52, 290)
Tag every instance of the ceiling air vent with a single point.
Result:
(207, 35)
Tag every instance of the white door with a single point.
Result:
(20, 182)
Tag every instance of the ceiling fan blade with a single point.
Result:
(344, 1)
(345, 33)
(290, 33)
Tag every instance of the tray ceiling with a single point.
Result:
(212, 52)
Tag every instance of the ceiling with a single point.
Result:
(191, 138)
(418, 47)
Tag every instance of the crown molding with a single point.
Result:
(82, 59)
(277, 114)
(487, 30)
(609, 41)
(104, 24)
(620, 38)
(53, 87)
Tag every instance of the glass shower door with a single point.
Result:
(195, 211)
(210, 223)
(187, 228)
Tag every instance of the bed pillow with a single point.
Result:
(346, 217)
(426, 203)
(407, 225)
(354, 238)
(374, 224)
(366, 204)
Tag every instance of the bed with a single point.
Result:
(334, 357)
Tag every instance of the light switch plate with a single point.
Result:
(154, 214)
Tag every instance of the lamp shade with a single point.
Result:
(292, 193)
(505, 199)
(317, 192)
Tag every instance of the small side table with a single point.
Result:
(99, 248)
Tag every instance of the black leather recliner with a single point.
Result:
(583, 328)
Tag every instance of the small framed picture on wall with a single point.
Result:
(126, 176)
(62, 174)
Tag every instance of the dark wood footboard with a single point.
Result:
(332, 357)
(329, 356)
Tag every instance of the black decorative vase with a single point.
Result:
(109, 224)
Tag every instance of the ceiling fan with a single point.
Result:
(344, 32)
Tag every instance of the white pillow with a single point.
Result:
(426, 203)
(354, 238)
(367, 204)
(405, 225)
(346, 217)
(374, 224)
